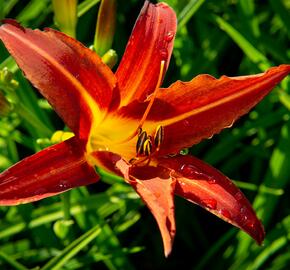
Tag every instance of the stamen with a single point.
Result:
(158, 137)
(147, 147)
(153, 95)
(140, 142)
(149, 106)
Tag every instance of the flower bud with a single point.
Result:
(105, 28)
(65, 16)
(110, 58)
(4, 105)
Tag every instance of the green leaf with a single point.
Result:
(85, 6)
(188, 11)
(11, 261)
(283, 13)
(249, 49)
(71, 250)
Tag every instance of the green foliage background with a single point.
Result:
(108, 227)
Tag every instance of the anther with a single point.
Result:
(142, 137)
(158, 137)
(147, 147)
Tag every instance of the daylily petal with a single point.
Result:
(192, 111)
(155, 186)
(110, 162)
(205, 105)
(202, 184)
(151, 42)
(46, 173)
(70, 76)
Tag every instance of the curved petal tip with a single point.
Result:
(207, 187)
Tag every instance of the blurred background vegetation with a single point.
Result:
(108, 227)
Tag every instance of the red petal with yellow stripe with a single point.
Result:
(205, 105)
(156, 188)
(151, 42)
(192, 111)
(70, 76)
(46, 173)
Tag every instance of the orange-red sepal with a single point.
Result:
(46, 173)
(202, 184)
(66, 73)
(151, 42)
(156, 188)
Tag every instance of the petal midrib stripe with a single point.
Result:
(216, 103)
(77, 85)
(147, 56)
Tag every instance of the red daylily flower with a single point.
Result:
(126, 124)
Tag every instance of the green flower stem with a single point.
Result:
(12, 150)
(71, 250)
(65, 197)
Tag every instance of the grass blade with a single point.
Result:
(71, 250)
(249, 49)
(11, 261)
(189, 11)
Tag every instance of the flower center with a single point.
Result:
(106, 140)
(150, 104)
(146, 145)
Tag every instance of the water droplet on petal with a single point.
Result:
(184, 151)
(192, 172)
(169, 36)
(186, 123)
(245, 213)
(243, 210)
(210, 203)
(164, 54)
(250, 224)
(225, 213)
(188, 170)
(63, 184)
(211, 180)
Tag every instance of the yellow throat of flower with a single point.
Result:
(112, 133)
